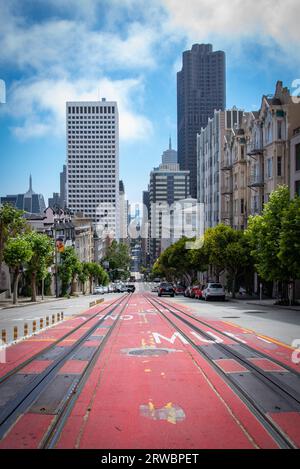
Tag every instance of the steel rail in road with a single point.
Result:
(54, 344)
(31, 391)
(231, 337)
(54, 431)
(283, 392)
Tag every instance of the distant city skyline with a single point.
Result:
(56, 52)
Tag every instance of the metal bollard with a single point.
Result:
(4, 336)
(62, 315)
(41, 323)
(25, 329)
(53, 318)
(15, 332)
(47, 321)
(34, 326)
(58, 316)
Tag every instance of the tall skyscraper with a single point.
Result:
(30, 202)
(201, 89)
(124, 206)
(167, 186)
(170, 155)
(93, 161)
(63, 187)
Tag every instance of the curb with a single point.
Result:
(22, 305)
(295, 308)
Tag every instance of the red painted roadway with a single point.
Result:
(173, 400)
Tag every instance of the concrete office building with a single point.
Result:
(167, 185)
(93, 162)
(63, 187)
(30, 202)
(170, 155)
(124, 207)
(201, 89)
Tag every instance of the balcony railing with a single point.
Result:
(226, 215)
(226, 165)
(254, 151)
(256, 181)
(227, 190)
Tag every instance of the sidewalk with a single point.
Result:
(268, 303)
(7, 303)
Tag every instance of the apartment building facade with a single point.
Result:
(214, 186)
(242, 157)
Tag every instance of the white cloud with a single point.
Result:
(40, 105)
(278, 19)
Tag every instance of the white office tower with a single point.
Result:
(93, 162)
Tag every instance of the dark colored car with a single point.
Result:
(130, 288)
(166, 289)
(179, 290)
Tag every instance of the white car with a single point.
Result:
(98, 290)
(213, 290)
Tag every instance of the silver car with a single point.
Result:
(213, 290)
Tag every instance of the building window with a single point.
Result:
(297, 156)
(297, 188)
(279, 130)
(269, 167)
(279, 166)
(242, 206)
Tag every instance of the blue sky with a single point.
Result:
(126, 50)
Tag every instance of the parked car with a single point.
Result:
(199, 292)
(193, 290)
(166, 289)
(105, 290)
(187, 292)
(130, 288)
(213, 290)
(179, 290)
(98, 290)
(155, 289)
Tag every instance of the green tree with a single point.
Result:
(118, 256)
(238, 259)
(17, 253)
(264, 235)
(43, 250)
(289, 243)
(67, 268)
(95, 273)
(216, 240)
(11, 225)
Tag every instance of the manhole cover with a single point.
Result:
(256, 312)
(148, 352)
(231, 317)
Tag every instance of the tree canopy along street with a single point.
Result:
(139, 371)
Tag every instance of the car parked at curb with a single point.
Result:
(199, 292)
(98, 290)
(179, 290)
(187, 292)
(213, 290)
